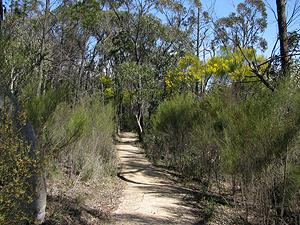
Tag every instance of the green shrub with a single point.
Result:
(17, 166)
(177, 114)
(82, 139)
(205, 152)
(172, 123)
(260, 145)
(249, 137)
(39, 109)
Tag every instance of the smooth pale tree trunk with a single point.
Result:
(38, 205)
(139, 120)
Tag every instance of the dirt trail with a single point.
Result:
(150, 195)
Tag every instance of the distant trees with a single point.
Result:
(246, 136)
(154, 68)
(137, 90)
(77, 43)
(243, 28)
(242, 132)
(80, 42)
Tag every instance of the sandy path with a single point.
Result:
(150, 196)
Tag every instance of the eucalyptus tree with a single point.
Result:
(75, 36)
(142, 32)
(138, 36)
(64, 35)
(43, 40)
(21, 34)
(177, 13)
(138, 89)
(283, 36)
(201, 32)
(141, 45)
(244, 27)
(236, 31)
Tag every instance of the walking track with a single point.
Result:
(150, 195)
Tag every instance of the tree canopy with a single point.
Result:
(169, 70)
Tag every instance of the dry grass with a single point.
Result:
(82, 184)
(81, 202)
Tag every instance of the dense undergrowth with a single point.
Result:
(19, 166)
(81, 139)
(247, 138)
(77, 144)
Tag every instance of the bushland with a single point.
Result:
(248, 139)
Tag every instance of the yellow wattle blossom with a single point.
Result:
(192, 74)
(106, 80)
(108, 92)
(234, 64)
(188, 73)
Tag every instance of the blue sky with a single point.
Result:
(224, 7)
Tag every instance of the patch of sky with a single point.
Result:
(221, 8)
(224, 7)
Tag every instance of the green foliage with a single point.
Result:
(258, 143)
(87, 13)
(176, 114)
(17, 166)
(79, 199)
(251, 138)
(171, 124)
(205, 150)
(77, 125)
(247, 127)
(82, 139)
(259, 130)
(137, 82)
(135, 87)
(234, 29)
(186, 138)
(122, 44)
(20, 42)
(39, 109)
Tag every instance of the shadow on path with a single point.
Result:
(150, 196)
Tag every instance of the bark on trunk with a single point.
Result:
(284, 47)
(38, 204)
(43, 48)
(1, 14)
(198, 33)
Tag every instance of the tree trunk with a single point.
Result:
(37, 205)
(284, 47)
(81, 70)
(198, 33)
(43, 48)
(139, 121)
(1, 15)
